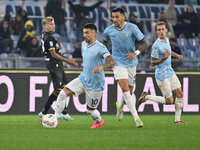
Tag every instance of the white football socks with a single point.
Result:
(178, 108)
(157, 99)
(129, 102)
(60, 103)
(95, 115)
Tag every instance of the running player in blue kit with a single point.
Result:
(122, 35)
(165, 76)
(91, 81)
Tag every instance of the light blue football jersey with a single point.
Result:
(123, 42)
(93, 56)
(163, 70)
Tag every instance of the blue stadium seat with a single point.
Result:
(193, 41)
(191, 53)
(191, 50)
(184, 52)
(182, 42)
(197, 50)
(188, 51)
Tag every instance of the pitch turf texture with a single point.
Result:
(159, 133)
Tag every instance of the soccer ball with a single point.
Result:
(50, 121)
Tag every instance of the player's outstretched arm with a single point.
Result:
(90, 8)
(71, 62)
(109, 64)
(71, 5)
(57, 56)
(177, 55)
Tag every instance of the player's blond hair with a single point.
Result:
(160, 23)
(47, 20)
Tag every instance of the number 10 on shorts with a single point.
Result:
(94, 102)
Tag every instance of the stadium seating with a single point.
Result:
(190, 48)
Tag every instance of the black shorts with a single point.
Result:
(57, 75)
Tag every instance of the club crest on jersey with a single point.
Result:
(51, 43)
(126, 33)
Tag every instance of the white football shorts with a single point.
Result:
(168, 85)
(125, 73)
(92, 98)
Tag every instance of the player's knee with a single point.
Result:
(68, 92)
(124, 89)
(89, 108)
(179, 94)
(62, 95)
(169, 100)
(131, 89)
(89, 111)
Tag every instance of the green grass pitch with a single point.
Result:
(25, 132)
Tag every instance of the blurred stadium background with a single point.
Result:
(147, 14)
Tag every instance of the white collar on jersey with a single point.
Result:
(122, 27)
(92, 44)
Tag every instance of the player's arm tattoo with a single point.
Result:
(109, 62)
(155, 61)
(143, 45)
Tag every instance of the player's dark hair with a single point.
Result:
(90, 26)
(118, 9)
(160, 23)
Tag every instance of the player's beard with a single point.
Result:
(87, 40)
(118, 24)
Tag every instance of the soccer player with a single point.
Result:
(165, 76)
(122, 36)
(53, 59)
(91, 81)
